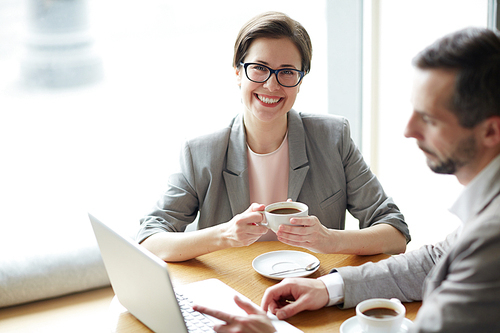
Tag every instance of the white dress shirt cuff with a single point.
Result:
(335, 286)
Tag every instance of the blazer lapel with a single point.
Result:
(236, 173)
(299, 163)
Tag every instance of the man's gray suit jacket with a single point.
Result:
(457, 279)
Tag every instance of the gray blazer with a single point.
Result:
(327, 172)
(457, 279)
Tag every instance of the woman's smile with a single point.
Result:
(268, 100)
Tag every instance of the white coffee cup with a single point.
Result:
(279, 213)
(378, 320)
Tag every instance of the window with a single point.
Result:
(404, 28)
(108, 147)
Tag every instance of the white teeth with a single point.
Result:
(268, 100)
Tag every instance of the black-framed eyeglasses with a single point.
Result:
(287, 77)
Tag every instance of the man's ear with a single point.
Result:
(491, 136)
(238, 76)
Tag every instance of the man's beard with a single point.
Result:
(463, 154)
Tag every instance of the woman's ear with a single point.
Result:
(238, 76)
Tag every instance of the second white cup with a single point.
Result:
(380, 315)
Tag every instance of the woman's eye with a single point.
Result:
(259, 68)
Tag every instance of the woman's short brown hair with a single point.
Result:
(273, 25)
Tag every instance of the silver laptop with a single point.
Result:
(142, 284)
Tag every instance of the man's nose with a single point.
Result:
(411, 129)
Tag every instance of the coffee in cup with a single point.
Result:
(286, 211)
(380, 315)
(281, 212)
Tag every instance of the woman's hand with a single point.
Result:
(309, 233)
(244, 229)
(257, 320)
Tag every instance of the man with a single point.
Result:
(456, 123)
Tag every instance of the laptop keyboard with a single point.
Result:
(195, 321)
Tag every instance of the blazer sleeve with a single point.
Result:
(178, 206)
(366, 199)
(464, 294)
(401, 276)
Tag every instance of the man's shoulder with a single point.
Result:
(489, 218)
(484, 229)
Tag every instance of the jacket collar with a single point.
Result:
(237, 148)
(236, 173)
(479, 192)
(299, 163)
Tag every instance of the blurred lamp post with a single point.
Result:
(59, 47)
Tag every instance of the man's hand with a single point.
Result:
(294, 295)
(257, 320)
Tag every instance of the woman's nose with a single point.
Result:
(272, 83)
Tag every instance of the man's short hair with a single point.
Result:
(474, 54)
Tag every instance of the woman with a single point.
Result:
(270, 153)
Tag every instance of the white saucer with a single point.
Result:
(351, 326)
(277, 261)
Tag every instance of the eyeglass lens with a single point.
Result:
(286, 77)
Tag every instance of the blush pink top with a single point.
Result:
(268, 178)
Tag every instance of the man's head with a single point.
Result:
(456, 100)
(474, 55)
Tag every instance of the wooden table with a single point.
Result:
(234, 267)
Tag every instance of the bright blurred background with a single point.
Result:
(144, 76)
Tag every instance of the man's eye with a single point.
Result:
(426, 119)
